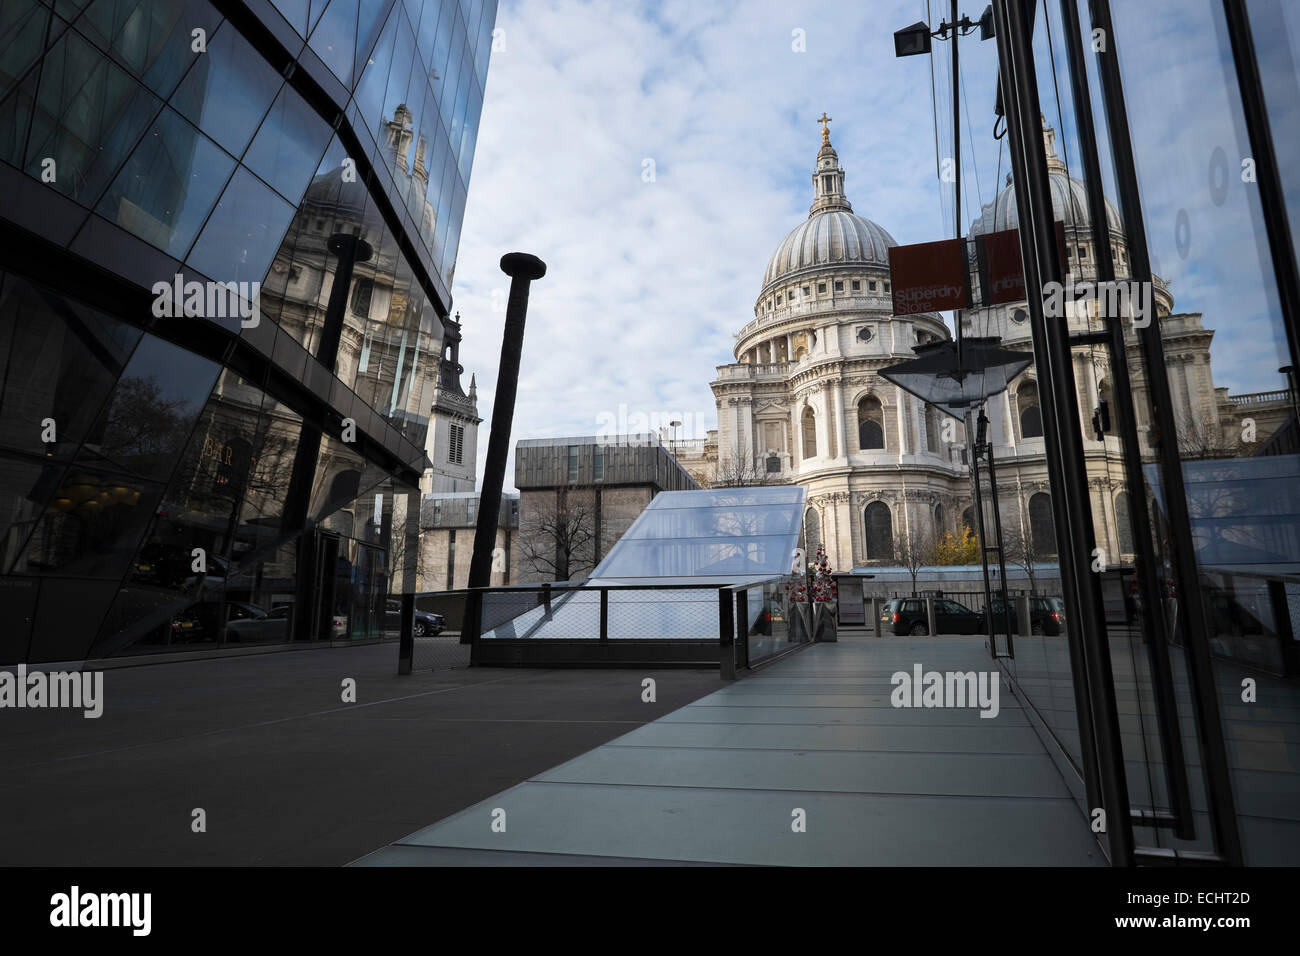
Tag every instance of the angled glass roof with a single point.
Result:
(729, 532)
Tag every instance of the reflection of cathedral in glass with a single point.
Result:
(804, 402)
(203, 484)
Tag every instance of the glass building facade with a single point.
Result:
(1175, 693)
(229, 232)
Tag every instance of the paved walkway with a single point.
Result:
(721, 780)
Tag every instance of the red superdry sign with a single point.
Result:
(928, 277)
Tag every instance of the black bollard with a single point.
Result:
(522, 269)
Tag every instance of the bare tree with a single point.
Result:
(1021, 550)
(914, 549)
(1198, 439)
(557, 540)
(742, 470)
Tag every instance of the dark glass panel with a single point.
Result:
(167, 187)
(92, 526)
(153, 38)
(151, 412)
(22, 35)
(368, 24)
(442, 44)
(369, 95)
(288, 147)
(243, 232)
(469, 137)
(26, 485)
(89, 115)
(334, 38)
(59, 360)
(295, 291)
(262, 508)
(15, 116)
(228, 90)
(295, 11)
(68, 613)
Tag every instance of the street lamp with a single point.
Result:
(675, 426)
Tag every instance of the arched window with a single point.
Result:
(809, 433)
(931, 429)
(1124, 523)
(1041, 527)
(880, 532)
(940, 520)
(968, 519)
(1031, 418)
(871, 423)
(812, 532)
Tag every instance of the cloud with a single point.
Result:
(648, 282)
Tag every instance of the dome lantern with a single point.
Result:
(828, 178)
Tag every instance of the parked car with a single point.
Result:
(908, 616)
(1046, 616)
(427, 624)
(247, 622)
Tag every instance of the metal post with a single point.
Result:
(1002, 561)
(929, 616)
(604, 614)
(472, 629)
(742, 628)
(523, 269)
(984, 547)
(726, 636)
(406, 639)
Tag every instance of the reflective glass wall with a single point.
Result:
(166, 142)
(1209, 578)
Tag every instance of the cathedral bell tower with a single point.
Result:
(452, 444)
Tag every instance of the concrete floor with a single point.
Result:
(721, 780)
(287, 773)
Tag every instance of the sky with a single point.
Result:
(654, 156)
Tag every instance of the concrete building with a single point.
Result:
(577, 496)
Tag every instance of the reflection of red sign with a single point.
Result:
(928, 277)
(1002, 276)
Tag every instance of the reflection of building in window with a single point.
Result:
(1031, 418)
(1123, 523)
(1041, 528)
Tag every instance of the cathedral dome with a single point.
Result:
(829, 238)
(832, 235)
(1069, 200)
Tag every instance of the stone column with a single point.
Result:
(837, 396)
(903, 444)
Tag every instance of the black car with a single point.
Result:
(908, 616)
(1046, 616)
(427, 624)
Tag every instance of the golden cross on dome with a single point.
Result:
(826, 133)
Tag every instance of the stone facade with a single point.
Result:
(804, 403)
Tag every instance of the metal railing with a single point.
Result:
(734, 627)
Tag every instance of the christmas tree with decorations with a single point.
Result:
(823, 588)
